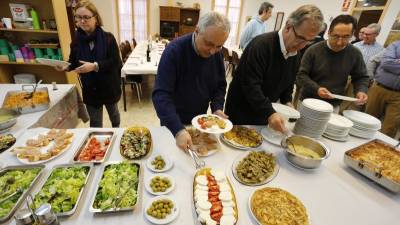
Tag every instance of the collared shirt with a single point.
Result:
(252, 29)
(194, 44)
(285, 53)
(388, 71)
(368, 50)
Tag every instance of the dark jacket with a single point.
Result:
(104, 86)
(262, 77)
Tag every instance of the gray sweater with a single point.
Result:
(322, 67)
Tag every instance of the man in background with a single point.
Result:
(360, 36)
(256, 25)
(369, 46)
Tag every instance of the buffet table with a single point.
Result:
(333, 194)
(66, 107)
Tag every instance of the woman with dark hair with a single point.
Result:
(95, 57)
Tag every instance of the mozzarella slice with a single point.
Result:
(225, 196)
(202, 180)
(228, 204)
(200, 211)
(201, 198)
(204, 205)
(200, 192)
(224, 187)
(203, 217)
(211, 222)
(227, 220)
(201, 187)
(218, 175)
(228, 211)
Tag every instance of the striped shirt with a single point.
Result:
(368, 50)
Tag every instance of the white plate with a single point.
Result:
(168, 163)
(336, 138)
(317, 105)
(161, 175)
(43, 150)
(169, 218)
(345, 98)
(272, 137)
(53, 62)
(362, 118)
(286, 111)
(340, 121)
(214, 129)
(270, 178)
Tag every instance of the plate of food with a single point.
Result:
(214, 198)
(24, 101)
(212, 124)
(255, 168)
(161, 210)
(6, 141)
(160, 184)
(44, 147)
(203, 143)
(135, 143)
(241, 137)
(95, 147)
(118, 188)
(276, 206)
(53, 62)
(64, 187)
(159, 163)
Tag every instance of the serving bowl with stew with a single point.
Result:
(304, 152)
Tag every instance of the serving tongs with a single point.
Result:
(198, 162)
(30, 95)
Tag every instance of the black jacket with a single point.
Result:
(104, 86)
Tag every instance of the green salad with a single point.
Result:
(15, 181)
(118, 187)
(62, 188)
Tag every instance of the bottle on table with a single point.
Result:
(148, 53)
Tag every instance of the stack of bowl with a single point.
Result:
(365, 125)
(338, 128)
(314, 117)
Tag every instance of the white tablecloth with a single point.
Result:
(137, 61)
(333, 195)
(27, 120)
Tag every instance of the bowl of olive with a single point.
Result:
(161, 210)
(159, 163)
(160, 184)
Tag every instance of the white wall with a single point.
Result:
(329, 9)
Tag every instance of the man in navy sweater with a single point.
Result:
(191, 77)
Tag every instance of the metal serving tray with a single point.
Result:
(24, 194)
(100, 135)
(33, 108)
(373, 174)
(138, 190)
(90, 165)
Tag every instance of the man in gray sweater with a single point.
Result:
(325, 66)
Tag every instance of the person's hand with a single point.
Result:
(86, 67)
(324, 93)
(221, 114)
(362, 98)
(289, 104)
(183, 140)
(276, 122)
(61, 68)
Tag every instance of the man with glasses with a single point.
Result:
(191, 77)
(325, 66)
(267, 70)
(369, 46)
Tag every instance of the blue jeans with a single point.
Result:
(96, 115)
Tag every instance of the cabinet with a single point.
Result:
(176, 21)
(47, 10)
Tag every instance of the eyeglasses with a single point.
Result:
(83, 18)
(301, 39)
(368, 34)
(337, 37)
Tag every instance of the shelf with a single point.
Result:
(30, 31)
(369, 8)
(19, 63)
(55, 46)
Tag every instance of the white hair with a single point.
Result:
(307, 12)
(376, 27)
(213, 19)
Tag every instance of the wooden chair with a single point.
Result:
(235, 61)
(227, 61)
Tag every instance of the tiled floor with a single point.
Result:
(136, 114)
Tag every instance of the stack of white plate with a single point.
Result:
(314, 117)
(338, 128)
(365, 125)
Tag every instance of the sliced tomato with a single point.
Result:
(213, 194)
(213, 188)
(216, 216)
(213, 199)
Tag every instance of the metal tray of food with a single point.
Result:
(114, 208)
(27, 105)
(136, 143)
(25, 192)
(372, 170)
(72, 211)
(103, 137)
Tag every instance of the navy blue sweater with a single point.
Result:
(186, 84)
